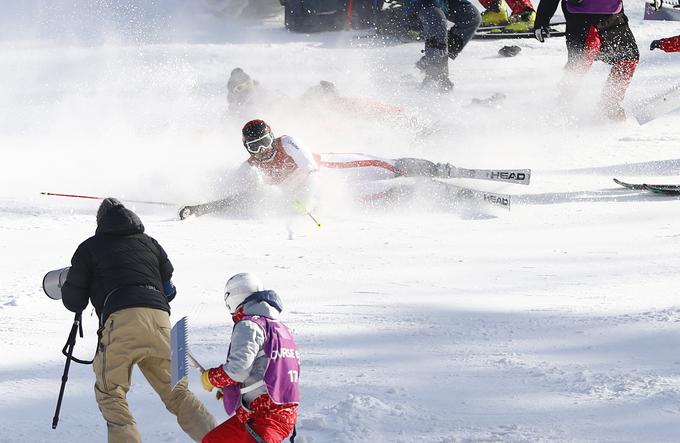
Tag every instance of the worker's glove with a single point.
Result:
(541, 33)
(656, 44)
(205, 381)
(216, 378)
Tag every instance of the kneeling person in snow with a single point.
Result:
(259, 381)
(126, 275)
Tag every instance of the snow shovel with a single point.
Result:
(179, 347)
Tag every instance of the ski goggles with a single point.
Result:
(257, 145)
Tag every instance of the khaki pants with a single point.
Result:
(141, 336)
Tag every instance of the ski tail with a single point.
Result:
(664, 189)
(633, 186)
(455, 192)
(517, 176)
(657, 189)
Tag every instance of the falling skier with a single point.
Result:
(259, 381)
(596, 30)
(670, 44)
(288, 165)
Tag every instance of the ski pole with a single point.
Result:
(54, 194)
(300, 206)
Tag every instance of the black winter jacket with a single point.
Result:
(119, 267)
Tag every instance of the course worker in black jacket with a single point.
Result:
(126, 275)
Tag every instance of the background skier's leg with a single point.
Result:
(435, 62)
(466, 20)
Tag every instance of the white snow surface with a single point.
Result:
(558, 321)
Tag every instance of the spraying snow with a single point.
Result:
(553, 322)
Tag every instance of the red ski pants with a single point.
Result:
(517, 6)
(621, 72)
(233, 431)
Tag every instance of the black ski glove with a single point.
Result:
(656, 44)
(541, 33)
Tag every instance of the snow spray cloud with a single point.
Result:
(90, 104)
(124, 98)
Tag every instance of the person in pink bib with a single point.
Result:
(259, 382)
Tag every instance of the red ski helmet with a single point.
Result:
(257, 135)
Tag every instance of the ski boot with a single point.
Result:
(523, 22)
(437, 78)
(435, 65)
(495, 15)
(418, 167)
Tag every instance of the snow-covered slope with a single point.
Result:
(557, 321)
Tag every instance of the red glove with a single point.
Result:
(219, 378)
(216, 378)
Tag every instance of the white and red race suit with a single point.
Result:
(293, 166)
(293, 162)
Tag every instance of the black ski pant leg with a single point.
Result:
(435, 63)
(576, 33)
(465, 18)
(618, 41)
(620, 50)
(434, 27)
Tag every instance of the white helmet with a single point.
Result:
(238, 288)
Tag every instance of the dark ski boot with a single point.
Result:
(435, 65)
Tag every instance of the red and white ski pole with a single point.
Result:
(91, 197)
